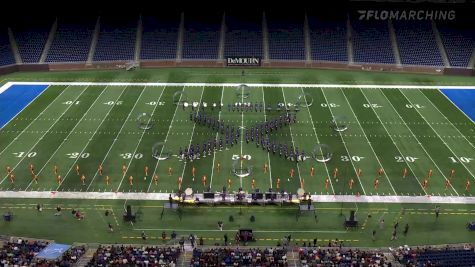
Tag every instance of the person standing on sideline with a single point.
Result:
(58, 210)
(406, 229)
(373, 235)
(437, 211)
(110, 227)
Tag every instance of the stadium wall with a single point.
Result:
(66, 66)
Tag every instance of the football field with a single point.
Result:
(415, 134)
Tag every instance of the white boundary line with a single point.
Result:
(394, 143)
(374, 86)
(318, 140)
(417, 139)
(33, 100)
(292, 137)
(217, 134)
(265, 119)
(344, 143)
(366, 137)
(443, 141)
(166, 137)
(28, 126)
(164, 196)
(471, 144)
(41, 138)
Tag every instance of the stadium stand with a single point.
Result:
(21, 252)
(442, 256)
(243, 37)
(286, 39)
(31, 40)
(135, 256)
(459, 43)
(239, 257)
(417, 44)
(116, 40)
(371, 42)
(6, 54)
(340, 257)
(201, 38)
(159, 38)
(328, 39)
(71, 42)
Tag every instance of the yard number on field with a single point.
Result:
(70, 102)
(414, 106)
(366, 105)
(131, 155)
(153, 103)
(353, 158)
(332, 105)
(110, 103)
(407, 158)
(461, 159)
(76, 155)
(21, 154)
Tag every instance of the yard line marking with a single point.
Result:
(316, 136)
(364, 133)
(445, 143)
(265, 119)
(470, 143)
(34, 99)
(82, 151)
(418, 142)
(343, 141)
(217, 133)
(41, 138)
(28, 126)
(166, 137)
(118, 133)
(192, 132)
(291, 136)
(65, 139)
(242, 130)
(404, 158)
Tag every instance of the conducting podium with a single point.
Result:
(128, 216)
(172, 206)
(305, 205)
(352, 221)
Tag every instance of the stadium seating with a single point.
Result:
(371, 42)
(239, 257)
(6, 54)
(417, 44)
(286, 40)
(31, 42)
(201, 40)
(243, 37)
(339, 257)
(436, 256)
(134, 256)
(459, 44)
(116, 40)
(21, 252)
(159, 38)
(71, 43)
(328, 40)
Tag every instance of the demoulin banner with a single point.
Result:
(243, 61)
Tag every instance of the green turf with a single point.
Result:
(271, 225)
(417, 129)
